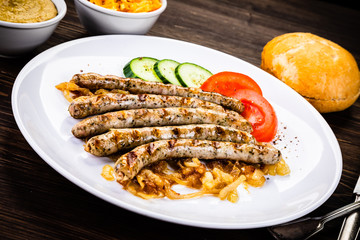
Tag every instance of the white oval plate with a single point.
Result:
(307, 142)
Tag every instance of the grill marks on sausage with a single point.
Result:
(124, 139)
(142, 97)
(133, 85)
(202, 149)
(150, 148)
(131, 159)
(158, 117)
(144, 119)
(92, 105)
(171, 143)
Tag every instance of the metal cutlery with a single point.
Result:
(304, 228)
(351, 225)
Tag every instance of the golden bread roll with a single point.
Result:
(320, 70)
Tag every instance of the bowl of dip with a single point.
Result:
(26, 24)
(118, 16)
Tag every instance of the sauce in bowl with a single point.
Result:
(27, 11)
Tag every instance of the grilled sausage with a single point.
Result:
(128, 138)
(133, 85)
(91, 105)
(128, 165)
(158, 117)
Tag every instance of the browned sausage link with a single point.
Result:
(157, 117)
(127, 138)
(133, 85)
(91, 105)
(128, 165)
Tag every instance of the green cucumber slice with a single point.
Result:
(191, 75)
(165, 70)
(141, 67)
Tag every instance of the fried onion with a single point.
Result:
(217, 178)
(72, 91)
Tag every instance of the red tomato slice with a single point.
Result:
(259, 112)
(229, 82)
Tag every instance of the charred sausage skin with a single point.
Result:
(158, 117)
(128, 138)
(91, 105)
(129, 165)
(136, 86)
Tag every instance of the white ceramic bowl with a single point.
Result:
(20, 38)
(100, 20)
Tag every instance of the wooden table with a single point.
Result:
(38, 203)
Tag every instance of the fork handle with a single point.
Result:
(351, 225)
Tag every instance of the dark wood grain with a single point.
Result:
(36, 202)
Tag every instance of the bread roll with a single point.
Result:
(321, 71)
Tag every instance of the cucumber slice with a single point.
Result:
(141, 67)
(191, 75)
(165, 70)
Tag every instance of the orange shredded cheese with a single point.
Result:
(131, 6)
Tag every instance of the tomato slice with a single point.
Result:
(229, 82)
(259, 112)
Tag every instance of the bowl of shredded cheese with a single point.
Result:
(119, 16)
